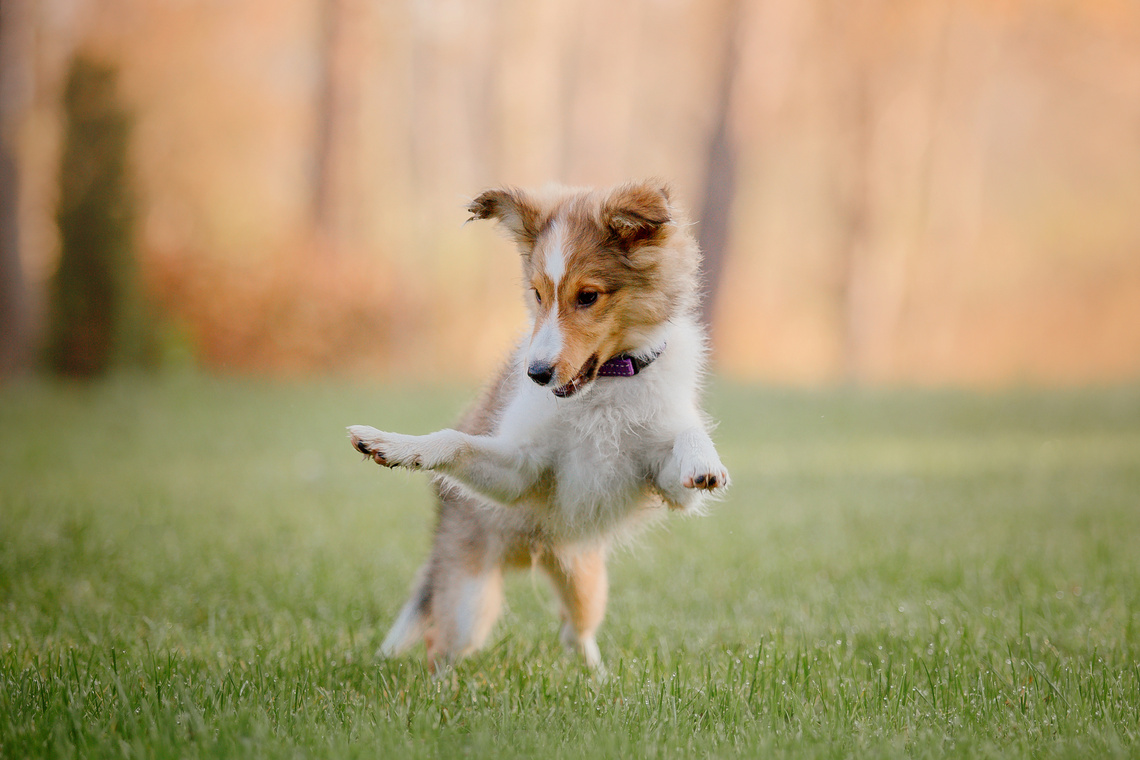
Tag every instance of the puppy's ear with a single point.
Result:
(513, 208)
(636, 213)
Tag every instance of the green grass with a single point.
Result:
(203, 568)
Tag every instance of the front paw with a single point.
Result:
(707, 479)
(386, 449)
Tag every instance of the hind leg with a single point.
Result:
(466, 581)
(581, 584)
(464, 610)
(465, 606)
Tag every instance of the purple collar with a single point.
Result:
(627, 365)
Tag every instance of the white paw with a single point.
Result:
(387, 449)
(705, 476)
(586, 647)
(692, 472)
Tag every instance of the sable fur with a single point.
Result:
(550, 473)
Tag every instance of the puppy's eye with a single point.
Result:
(587, 298)
(537, 296)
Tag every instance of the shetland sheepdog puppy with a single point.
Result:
(592, 427)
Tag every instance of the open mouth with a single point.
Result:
(581, 380)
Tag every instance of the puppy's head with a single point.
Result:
(604, 269)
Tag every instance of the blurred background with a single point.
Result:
(935, 193)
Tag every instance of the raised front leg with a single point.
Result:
(691, 470)
(485, 465)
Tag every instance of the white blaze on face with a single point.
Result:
(547, 342)
(555, 261)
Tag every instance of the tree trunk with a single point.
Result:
(856, 272)
(15, 318)
(334, 140)
(715, 222)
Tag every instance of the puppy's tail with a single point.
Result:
(412, 621)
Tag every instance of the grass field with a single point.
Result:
(193, 567)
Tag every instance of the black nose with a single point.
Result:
(541, 373)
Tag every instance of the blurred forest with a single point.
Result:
(940, 192)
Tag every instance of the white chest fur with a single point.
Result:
(594, 457)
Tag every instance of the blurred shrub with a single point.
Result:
(97, 314)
